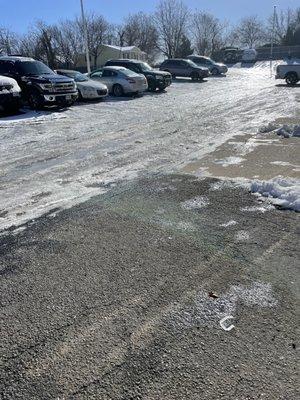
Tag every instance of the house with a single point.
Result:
(110, 52)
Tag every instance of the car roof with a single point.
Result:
(115, 67)
(16, 58)
(125, 60)
(67, 70)
(176, 59)
(197, 55)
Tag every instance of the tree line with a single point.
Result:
(173, 30)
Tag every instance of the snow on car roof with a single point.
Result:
(16, 58)
(114, 67)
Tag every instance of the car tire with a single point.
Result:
(173, 75)
(151, 86)
(195, 76)
(117, 90)
(215, 71)
(291, 78)
(80, 97)
(35, 100)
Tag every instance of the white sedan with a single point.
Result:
(120, 80)
(87, 88)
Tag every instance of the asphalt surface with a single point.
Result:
(121, 297)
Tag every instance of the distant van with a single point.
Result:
(249, 55)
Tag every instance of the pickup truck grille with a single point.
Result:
(63, 87)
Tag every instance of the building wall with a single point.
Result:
(109, 53)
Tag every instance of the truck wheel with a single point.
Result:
(117, 90)
(35, 100)
(215, 71)
(291, 78)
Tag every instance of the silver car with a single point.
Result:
(87, 88)
(120, 80)
(214, 68)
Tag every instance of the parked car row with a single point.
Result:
(36, 83)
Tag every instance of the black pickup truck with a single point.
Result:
(156, 79)
(39, 84)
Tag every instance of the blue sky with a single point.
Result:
(20, 14)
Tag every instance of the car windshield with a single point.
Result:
(34, 68)
(77, 76)
(191, 63)
(145, 67)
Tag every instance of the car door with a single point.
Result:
(183, 68)
(110, 77)
(176, 68)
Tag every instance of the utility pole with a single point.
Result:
(272, 40)
(86, 42)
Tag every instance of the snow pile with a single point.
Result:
(289, 131)
(195, 203)
(282, 192)
(285, 130)
(259, 64)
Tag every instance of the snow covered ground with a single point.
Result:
(53, 160)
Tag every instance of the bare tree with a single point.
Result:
(99, 31)
(9, 41)
(286, 22)
(171, 19)
(68, 40)
(28, 46)
(250, 32)
(139, 30)
(207, 32)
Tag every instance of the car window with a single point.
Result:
(145, 67)
(134, 68)
(109, 73)
(97, 74)
(189, 63)
(6, 67)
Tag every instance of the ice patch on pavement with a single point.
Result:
(262, 209)
(222, 184)
(229, 223)
(241, 236)
(229, 161)
(280, 191)
(180, 226)
(207, 311)
(195, 203)
(30, 117)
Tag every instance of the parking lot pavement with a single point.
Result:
(122, 297)
(52, 160)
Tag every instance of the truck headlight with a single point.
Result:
(46, 86)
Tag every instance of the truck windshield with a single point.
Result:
(145, 67)
(34, 68)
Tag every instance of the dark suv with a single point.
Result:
(156, 79)
(40, 85)
(186, 68)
